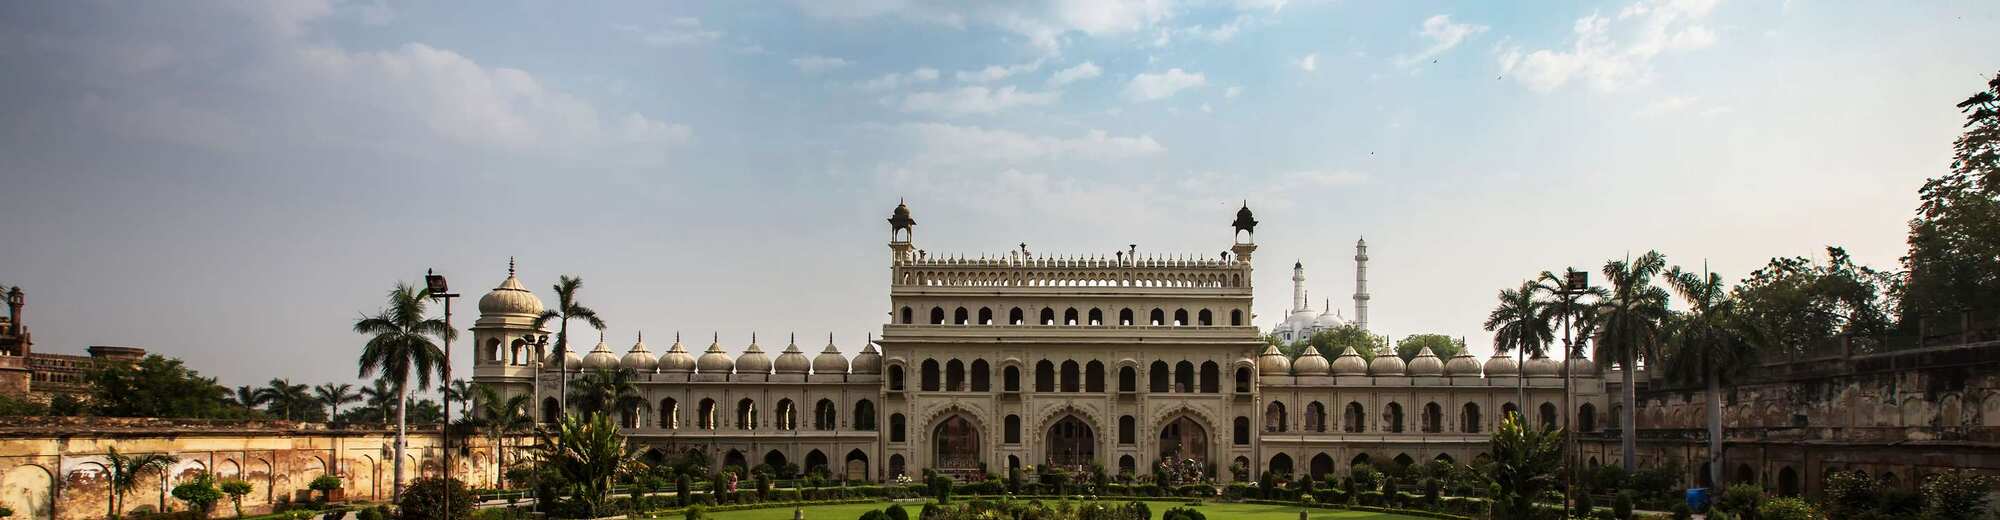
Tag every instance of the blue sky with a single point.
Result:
(233, 183)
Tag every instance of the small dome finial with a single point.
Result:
(510, 266)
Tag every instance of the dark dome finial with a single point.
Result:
(1244, 220)
(900, 218)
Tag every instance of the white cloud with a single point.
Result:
(1324, 178)
(942, 145)
(1443, 35)
(681, 31)
(1614, 52)
(1082, 71)
(895, 80)
(997, 72)
(1218, 34)
(1308, 63)
(1157, 86)
(1232, 92)
(975, 100)
(818, 64)
(1664, 106)
(1042, 24)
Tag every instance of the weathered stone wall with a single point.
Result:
(54, 468)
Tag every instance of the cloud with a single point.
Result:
(679, 32)
(1232, 92)
(1324, 178)
(1611, 53)
(1082, 71)
(975, 100)
(1443, 35)
(997, 72)
(1665, 105)
(1157, 86)
(818, 64)
(895, 80)
(1043, 24)
(1308, 63)
(1218, 34)
(945, 145)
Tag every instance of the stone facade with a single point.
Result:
(39, 377)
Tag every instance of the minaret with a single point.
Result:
(1298, 286)
(1361, 283)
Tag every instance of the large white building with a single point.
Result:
(1067, 360)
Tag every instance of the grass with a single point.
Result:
(1219, 511)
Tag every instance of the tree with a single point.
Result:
(236, 489)
(157, 387)
(1520, 325)
(1709, 342)
(377, 399)
(1331, 342)
(1801, 303)
(458, 390)
(1571, 306)
(605, 391)
(332, 396)
(199, 493)
(1524, 467)
(125, 470)
(588, 453)
(567, 308)
(400, 347)
(1630, 320)
(1442, 346)
(500, 418)
(290, 401)
(1954, 256)
(247, 397)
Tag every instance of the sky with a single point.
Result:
(234, 183)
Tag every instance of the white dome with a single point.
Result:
(753, 361)
(1386, 364)
(1350, 364)
(639, 359)
(1543, 366)
(1310, 363)
(868, 361)
(1502, 366)
(510, 298)
(677, 358)
(715, 361)
(793, 361)
(600, 358)
(830, 361)
(1426, 364)
(1273, 363)
(552, 363)
(1583, 367)
(1463, 364)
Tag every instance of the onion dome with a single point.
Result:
(792, 361)
(1245, 221)
(715, 361)
(638, 359)
(1543, 366)
(753, 361)
(510, 297)
(1310, 363)
(1582, 367)
(900, 218)
(600, 358)
(677, 359)
(868, 361)
(830, 361)
(1463, 364)
(1502, 366)
(1386, 364)
(1426, 364)
(1350, 364)
(574, 362)
(1273, 363)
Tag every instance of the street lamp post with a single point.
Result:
(1575, 283)
(438, 289)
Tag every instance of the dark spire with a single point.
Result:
(1244, 220)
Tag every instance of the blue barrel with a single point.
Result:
(1697, 499)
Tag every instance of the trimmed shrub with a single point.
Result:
(896, 512)
(1786, 508)
(1956, 495)
(432, 498)
(1621, 506)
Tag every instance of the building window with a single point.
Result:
(1013, 429)
(896, 427)
(1126, 427)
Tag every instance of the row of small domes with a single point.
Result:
(1426, 364)
(715, 361)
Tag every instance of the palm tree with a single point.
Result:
(333, 396)
(285, 399)
(378, 398)
(1520, 325)
(247, 397)
(589, 453)
(606, 390)
(125, 470)
(458, 390)
(1571, 306)
(500, 417)
(1631, 320)
(567, 308)
(400, 347)
(1711, 342)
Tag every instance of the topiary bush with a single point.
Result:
(1741, 501)
(1956, 495)
(433, 498)
(325, 484)
(1786, 508)
(1621, 506)
(896, 512)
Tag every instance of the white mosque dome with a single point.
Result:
(677, 358)
(1273, 363)
(1350, 364)
(830, 361)
(1543, 366)
(715, 361)
(1386, 364)
(510, 297)
(1310, 363)
(574, 362)
(753, 361)
(1463, 364)
(1502, 366)
(868, 361)
(1426, 364)
(792, 361)
(639, 359)
(600, 358)
(1583, 367)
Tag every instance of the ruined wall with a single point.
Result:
(54, 468)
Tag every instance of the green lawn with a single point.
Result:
(1216, 511)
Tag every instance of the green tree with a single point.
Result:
(1709, 342)
(290, 401)
(567, 308)
(247, 397)
(1956, 495)
(400, 347)
(605, 391)
(125, 472)
(332, 396)
(426, 412)
(199, 493)
(1331, 342)
(1444, 347)
(1525, 461)
(500, 418)
(157, 387)
(1954, 256)
(588, 453)
(377, 399)
(236, 489)
(1801, 303)
(1630, 320)
(1520, 324)
(458, 390)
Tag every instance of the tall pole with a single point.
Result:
(440, 290)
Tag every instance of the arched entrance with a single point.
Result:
(1071, 443)
(30, 492)
(1183, 439)
(955, 444)
(857, 465)
(735, 459)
